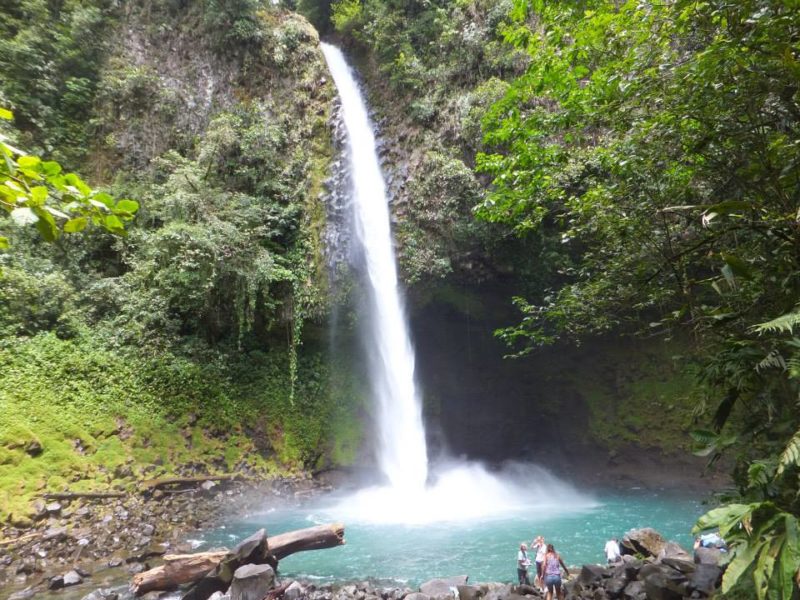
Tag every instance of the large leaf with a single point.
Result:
(742, 561)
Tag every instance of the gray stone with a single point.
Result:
(593, 574)
(294, 591)
(39, 509)
(615, 586)
(707, 556)
(437, 587)
(663, 583)
(72, 578)
(417, 596)
(684, 566)
(53, 507)
(252, 582)
(673, 550)
(634, 591)
(219, 596)
(645, 541)
(102, 594)
(705, 579)
(470, 592)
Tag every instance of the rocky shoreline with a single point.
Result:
(89, 548)
(67, 542)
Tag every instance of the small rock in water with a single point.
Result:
(72, 578)
(102, 594)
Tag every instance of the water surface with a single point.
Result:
(484, 549)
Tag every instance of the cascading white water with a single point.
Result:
(402, 454)
(461, 491)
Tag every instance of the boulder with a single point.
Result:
(634, 591)
(417, 596)
(645, 541)
(470, 592)
(615, 586)
(707, 556)
(673, 550)
(252, 582)
(53, 507)
(253, 550)
(684, 566)
(593, 575)
(522, 590)
(219, 596)
(437, 587)
(705, 579)
(294, 591)
(663, 583)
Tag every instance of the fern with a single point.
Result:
(791, 455)
(783, 324)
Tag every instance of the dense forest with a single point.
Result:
(624, 171)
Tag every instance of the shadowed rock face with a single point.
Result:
(557, 406)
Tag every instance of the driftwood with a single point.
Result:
(74, 495)
(179, 569)
(21, 539)
(154, 484)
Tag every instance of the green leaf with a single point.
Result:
(127, 206)
(6, 114)
(743, 559)
(113, 224)
(38, 195)
(46, 225)
(29, 162)
(75, 225)
(790, 557)
(105, 198)
(51, 168)
(4, 244)
(739, 267)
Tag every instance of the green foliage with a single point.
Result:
(52, 52)
(35, 192)
(763, 544)
(657, 146)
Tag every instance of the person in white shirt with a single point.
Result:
(612, 551)
(523, 562)
(541, 548)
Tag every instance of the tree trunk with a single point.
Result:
(186, 568)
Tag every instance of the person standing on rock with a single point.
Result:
(541, 548)
(523, 562)
(612, 551)
(552, 574)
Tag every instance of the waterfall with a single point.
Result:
(458, 491)
(402, 453)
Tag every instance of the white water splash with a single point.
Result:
(461, 491)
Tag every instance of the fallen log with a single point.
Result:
(179, 569)
(153, 484)
(311, 538)
(76, 495)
